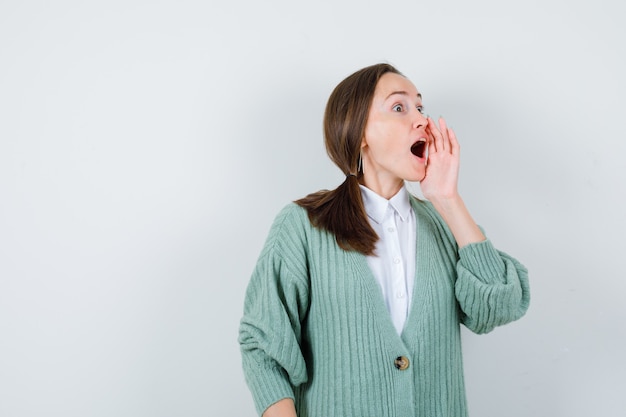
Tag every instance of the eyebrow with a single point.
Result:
(404, 93)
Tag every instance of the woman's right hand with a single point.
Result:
(442, 168)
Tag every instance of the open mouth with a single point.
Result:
(419, 148)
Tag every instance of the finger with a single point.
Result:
(438, 140)
(454, 143)
(431, 138)
(431, 142)
(444, 133)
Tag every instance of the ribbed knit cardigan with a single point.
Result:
(316, 329)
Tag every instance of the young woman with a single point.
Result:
(355, 303)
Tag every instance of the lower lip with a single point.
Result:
(420, 158)
(421, 161)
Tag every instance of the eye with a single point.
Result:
(398, 108)
(420, 109)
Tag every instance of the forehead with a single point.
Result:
(391, 83)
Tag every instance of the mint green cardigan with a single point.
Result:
(315, 327)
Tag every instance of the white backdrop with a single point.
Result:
(145, 148)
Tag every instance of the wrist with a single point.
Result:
(453, 211)
(447, 204)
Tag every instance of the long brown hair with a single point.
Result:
(341, 211)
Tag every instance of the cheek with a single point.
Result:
(375, 138)
(384, 141)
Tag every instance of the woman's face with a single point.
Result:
(394, 146)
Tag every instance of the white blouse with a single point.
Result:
(393, 263)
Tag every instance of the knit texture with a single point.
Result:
(315, 327)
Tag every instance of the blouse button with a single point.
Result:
(401, 363)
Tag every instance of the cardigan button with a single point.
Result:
(401, 363)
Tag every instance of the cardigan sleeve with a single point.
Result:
(275, 303)
(491, 288)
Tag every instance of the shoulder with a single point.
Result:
(291, 211)
(290, 229)
(291, 218)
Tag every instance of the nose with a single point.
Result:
(420, 119)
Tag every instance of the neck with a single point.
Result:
(385, 188)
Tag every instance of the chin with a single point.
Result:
(417, 177)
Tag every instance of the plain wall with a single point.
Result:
(145, 148)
